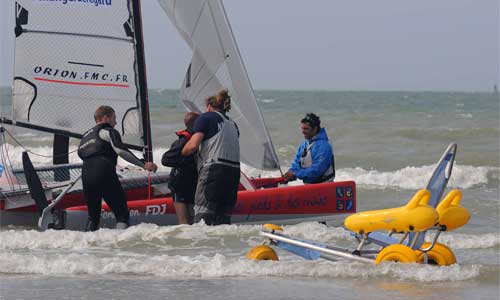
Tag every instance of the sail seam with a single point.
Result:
(198, 19)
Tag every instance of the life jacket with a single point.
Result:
(184, 133)
(223, 147)
(91, 145)
(306, 162)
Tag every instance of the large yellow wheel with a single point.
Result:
(262, 252)
(397, 253)
(439, 255)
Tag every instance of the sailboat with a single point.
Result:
(55, 87)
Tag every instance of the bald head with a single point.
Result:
(189, 119)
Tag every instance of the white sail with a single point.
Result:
(217, 63)
(70, 58)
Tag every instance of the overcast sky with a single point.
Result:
(438, 45)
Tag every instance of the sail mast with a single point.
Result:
(142, 80)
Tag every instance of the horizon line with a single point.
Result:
(337, 90)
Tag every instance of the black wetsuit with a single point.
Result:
(184, 174)
(99, 149)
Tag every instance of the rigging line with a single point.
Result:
(6, 158)
(10, 181)
(34, 153)
(7, 151)
(3, 160)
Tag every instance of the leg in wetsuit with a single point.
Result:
(100, 181)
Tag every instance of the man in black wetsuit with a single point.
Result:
(99, 149)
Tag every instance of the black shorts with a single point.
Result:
(186, 198)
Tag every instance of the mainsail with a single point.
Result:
(73, 56)
(217, 64)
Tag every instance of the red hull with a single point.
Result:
(323, 198)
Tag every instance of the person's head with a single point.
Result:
(189, 119)
(310, 125)
(220, 102)
(105, 114)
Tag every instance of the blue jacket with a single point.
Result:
(321, 154)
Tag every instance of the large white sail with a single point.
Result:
(73, 56)
(217, 63)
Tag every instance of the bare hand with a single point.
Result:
(150, 166)
(289, 176)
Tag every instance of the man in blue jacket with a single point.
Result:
(314, 161)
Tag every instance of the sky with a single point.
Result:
(423, 45)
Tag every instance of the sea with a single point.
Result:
(387, 142)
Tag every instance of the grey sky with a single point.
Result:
(332, 44)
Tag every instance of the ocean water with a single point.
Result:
(388, 142)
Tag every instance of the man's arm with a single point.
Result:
(193, 144)
(113, 137)
(295, 166)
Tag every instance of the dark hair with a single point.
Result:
(189, 119)
(221, 101)
(102, 111)
(312, 119)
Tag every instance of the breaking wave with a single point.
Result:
(201, 251)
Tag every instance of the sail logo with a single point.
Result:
(88, 78)
(94, 2)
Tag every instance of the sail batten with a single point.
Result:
(70, 58)
(129, 40)
(216, 63)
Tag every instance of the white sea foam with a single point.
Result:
(109, 238)
(470, 241)
(266, 100)
(204, 252)
(463, 177)
(162, 235)
(218, 265)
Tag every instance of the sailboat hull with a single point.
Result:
(325, 202)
